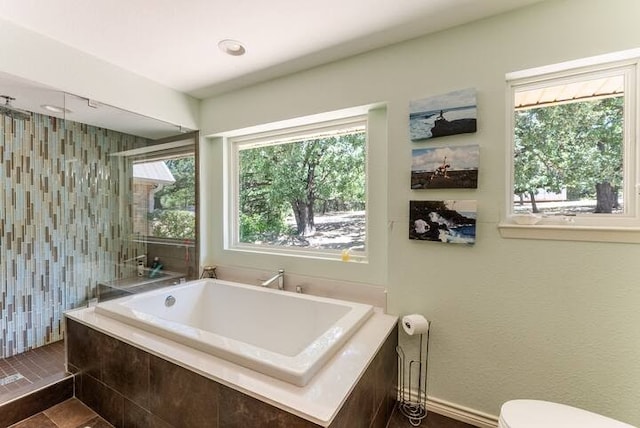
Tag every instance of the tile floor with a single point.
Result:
(74, 414)
(30, 370)
(68, 414)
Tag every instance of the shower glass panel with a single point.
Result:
(78, 213)
(134, 188)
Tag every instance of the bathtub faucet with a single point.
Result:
(279, 276)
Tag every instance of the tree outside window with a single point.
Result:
(568, 154)
(308, 192)
(166, 207)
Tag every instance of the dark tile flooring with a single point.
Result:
(31, 370)
(74, 414)
(68, 414)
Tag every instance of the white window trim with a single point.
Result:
(231, 241)
(594, 228)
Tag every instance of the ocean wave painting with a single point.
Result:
(441, 115)
(452, 222)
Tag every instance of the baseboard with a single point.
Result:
(459, 413)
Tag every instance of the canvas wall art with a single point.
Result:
(452, 167)
(442, 115)
(452, 222)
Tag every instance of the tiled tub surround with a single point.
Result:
(61, 228)
(135, 378)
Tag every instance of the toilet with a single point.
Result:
(544, 414)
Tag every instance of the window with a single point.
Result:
(301, 189)
(573, 153)
(166, 189)
(164, 195)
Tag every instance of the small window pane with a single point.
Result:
(308, 193)
(165, 198)
(569, 148)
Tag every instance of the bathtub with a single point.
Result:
(281, 334)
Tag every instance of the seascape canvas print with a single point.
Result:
(442, 115)
(452, 222)
(451, 167)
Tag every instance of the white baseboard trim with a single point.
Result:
(459, 413)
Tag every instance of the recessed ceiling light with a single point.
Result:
(55, 109)
(232, 47)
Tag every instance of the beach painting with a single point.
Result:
(441, 115)
(447, 221)
(451, 167)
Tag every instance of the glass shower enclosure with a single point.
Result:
(89, 197)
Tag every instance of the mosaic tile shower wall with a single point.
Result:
(65, 222)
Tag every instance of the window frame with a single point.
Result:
(177, 152)
(594, 227)
(178, 146)
(283, 135)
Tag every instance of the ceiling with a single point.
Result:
(175, 42)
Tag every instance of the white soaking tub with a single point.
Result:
(281, 334)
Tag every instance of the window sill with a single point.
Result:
(300, 253)
(571, 233)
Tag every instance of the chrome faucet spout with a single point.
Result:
(279, 276)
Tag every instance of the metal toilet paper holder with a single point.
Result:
(413, 404)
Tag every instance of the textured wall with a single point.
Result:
(64, 210)
(512, 318)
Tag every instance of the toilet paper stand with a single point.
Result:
(412, 404)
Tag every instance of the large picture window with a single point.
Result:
(302, 189)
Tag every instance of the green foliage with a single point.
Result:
(575, 145)
(298, 178)
(182, 193)
(256, 227)
(175, 224)
(174, 216)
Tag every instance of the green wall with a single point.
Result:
(511, 318)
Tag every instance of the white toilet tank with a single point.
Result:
(544, 414)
